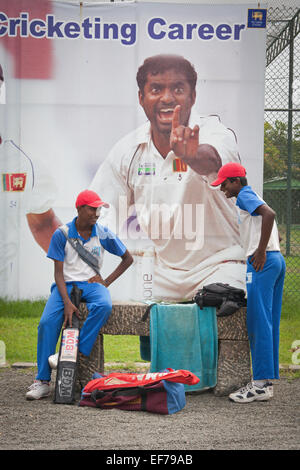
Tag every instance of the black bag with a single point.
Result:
(226, 298)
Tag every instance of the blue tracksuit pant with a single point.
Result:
(264, 300)
(98, 300)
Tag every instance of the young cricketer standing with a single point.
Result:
(264, 281)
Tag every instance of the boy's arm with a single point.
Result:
(127, 260)
(69, 308)
(258, 259)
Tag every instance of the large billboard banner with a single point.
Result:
(140, 102)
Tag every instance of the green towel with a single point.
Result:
(182, 336)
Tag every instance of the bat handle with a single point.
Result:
(75, 321)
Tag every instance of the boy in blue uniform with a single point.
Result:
(69, 268)
(264, 281)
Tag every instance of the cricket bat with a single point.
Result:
(68, 357)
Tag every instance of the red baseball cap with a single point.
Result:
(90, 198)
(230, 170)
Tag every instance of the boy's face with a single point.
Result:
(88, 215)
(161, 94)
(231, 189)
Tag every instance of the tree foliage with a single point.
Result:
(276, 150)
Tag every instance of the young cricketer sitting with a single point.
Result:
(70, 268)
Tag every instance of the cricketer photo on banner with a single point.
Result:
(97, 97)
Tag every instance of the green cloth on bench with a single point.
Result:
(182, 336)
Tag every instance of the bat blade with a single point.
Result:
(67, 366)
(68, 357)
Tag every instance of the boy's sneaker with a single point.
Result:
(39, 389)
(53, 360)
(270, 388)
(251, 393)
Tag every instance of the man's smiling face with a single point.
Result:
(162, 92)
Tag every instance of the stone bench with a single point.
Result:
(234, 368)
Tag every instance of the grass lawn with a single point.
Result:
(290, 318)
(289, 328)
(19, 321)
(18, 329)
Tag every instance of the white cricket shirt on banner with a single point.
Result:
(26, 187)
(176, 208)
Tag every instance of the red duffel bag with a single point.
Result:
(156, 392)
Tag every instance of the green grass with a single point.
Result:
(289, 327)
(18, 329)
(290, 317)
(19, 321)
(122, 348)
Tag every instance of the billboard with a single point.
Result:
(73, 116)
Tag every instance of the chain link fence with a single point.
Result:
(282, 137)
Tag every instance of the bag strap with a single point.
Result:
(125, 395)
(147, 312)
(84, 254)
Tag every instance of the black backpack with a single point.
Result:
(226, 298)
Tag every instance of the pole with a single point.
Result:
(290, 141)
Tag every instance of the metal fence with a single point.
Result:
(282, 136)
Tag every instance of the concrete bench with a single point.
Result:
(234, 368)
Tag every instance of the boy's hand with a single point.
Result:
(258, 260)
(68, 311)
(98, 279)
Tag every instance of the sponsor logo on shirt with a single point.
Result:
(146, 169)
(96, 250)
(13, 181)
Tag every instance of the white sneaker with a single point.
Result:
(251, 393)
(38, 390)
(270, 388)
(53, 360)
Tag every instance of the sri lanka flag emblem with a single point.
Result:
(179, 166)
(13, 181)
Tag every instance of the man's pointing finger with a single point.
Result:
(195, 131)
(176, 117)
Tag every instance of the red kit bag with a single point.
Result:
(156, 392)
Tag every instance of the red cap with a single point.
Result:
(90, 198)
(230, 170)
